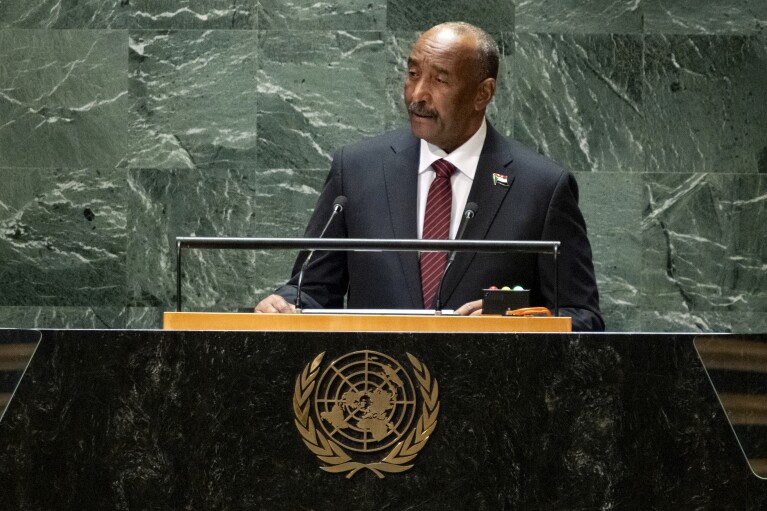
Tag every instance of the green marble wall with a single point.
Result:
(125, 124)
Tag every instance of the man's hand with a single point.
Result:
(275, 304)
(470, 309)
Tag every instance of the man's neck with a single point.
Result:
(478, 124)
(468, 145)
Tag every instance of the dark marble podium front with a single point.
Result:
(204, 420)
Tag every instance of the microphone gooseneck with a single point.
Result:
(338, 207)
(468, 213)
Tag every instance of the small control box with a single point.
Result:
(498, 301)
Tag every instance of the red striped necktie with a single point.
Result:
(436, 226)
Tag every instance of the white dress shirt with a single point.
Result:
(465, 159)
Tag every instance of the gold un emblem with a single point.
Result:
(359, 412)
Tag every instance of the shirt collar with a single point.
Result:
(465, 158)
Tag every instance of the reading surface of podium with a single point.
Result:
(171, 419)
(362, 322)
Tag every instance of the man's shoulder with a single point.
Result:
(526, 160)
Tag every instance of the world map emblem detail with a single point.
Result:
(363, 406)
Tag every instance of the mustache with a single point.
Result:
(419, 108)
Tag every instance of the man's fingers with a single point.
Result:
(275, 304)
(470, 309)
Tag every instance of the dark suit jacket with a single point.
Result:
(379, 179)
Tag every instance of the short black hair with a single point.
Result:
(488, 55)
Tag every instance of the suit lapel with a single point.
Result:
(400, 173)
(495, 158)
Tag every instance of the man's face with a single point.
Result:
(444, 96)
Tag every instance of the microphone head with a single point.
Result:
(340, 203)
(470, 210)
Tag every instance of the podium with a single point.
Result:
(209, 419)
(362, 322)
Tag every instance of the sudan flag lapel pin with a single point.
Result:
(500, 179)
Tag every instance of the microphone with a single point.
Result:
(338, 207)
(468, 214)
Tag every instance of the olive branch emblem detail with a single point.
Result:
(335, 457)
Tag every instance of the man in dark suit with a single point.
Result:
(387, 180)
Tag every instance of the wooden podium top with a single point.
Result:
(361, 322)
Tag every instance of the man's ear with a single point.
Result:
(485, 93)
